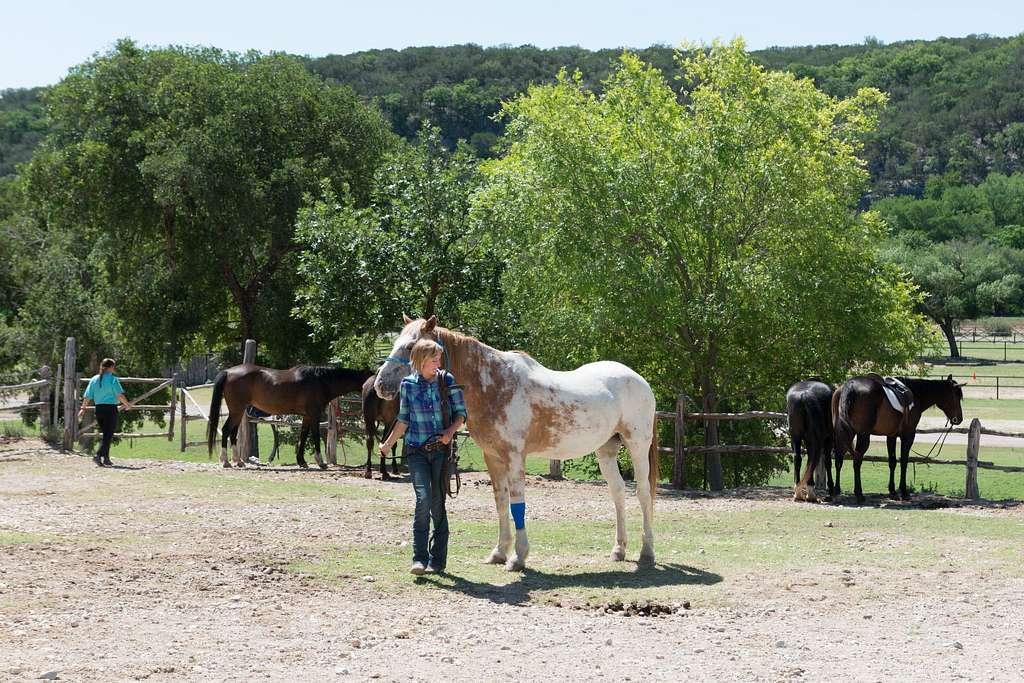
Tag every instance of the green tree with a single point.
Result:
(184, 169)
(411, 250)
(705, 237)
(960, 279)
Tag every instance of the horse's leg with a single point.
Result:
(395, 469)
(863, 441)
(314, 430)
(795, 442)
(383, 459)
(804, 489)
(225, 434)
(371, 432)
(607, 459)
(235, 448)
(906, 441)
(639, 452)
(827, 452)
(300, 460)
(499, 485)
(517, 505)
(890, 446)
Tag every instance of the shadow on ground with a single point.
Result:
(532, 580)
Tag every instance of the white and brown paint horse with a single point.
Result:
(518, 407)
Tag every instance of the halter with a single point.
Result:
(406, 361)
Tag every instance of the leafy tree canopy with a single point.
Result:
(706, 237)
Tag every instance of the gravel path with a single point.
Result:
(100, 581)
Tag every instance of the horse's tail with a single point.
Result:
(843, 423)
(218, 393)
(652, 459)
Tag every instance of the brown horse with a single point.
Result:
(377, 410)
(809, 409)
(302, 390)
(860, 408)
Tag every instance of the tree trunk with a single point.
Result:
(946, 326)
(430, 305)
(713, 461)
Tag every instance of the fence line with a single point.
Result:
(680, 450)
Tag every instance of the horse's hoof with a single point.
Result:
(240, 465)
(385, 476)
(226, 465)
(515, 565)
(904, 496)
(303, 465)
(618, 555)
(368, 475)
(322, 465)
(646, 559)
(495, 558)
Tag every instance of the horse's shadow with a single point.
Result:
(532, 580)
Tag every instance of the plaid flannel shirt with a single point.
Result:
(420, 406)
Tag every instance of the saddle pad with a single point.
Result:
(894, 400)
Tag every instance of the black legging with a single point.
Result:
(106, 418)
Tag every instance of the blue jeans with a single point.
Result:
(425, 468)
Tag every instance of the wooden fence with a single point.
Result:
(88, 428)
(343, 411)
(43, 385)
(680, 450)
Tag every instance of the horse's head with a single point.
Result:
(949, 400)
(398, 365)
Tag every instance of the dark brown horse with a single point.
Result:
(377, 410)
(809, 408)
(860, 409)
(302, 390)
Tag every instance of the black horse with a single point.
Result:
(860, 409)
(809, 407)
(302, 390)
(376, 409)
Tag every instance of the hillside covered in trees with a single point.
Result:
(956, 105)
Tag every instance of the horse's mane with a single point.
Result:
(324, 371)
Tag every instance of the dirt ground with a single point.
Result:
(201, 592)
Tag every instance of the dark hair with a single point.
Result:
(106, 364)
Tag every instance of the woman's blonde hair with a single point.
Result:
(423, 350)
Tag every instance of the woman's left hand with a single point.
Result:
(446, 437)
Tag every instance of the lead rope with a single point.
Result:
(452, 456)
(940, 442)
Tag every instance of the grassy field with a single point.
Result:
(696, 549)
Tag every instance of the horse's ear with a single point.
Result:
(406, 318)
(429, 325)
(950, 378)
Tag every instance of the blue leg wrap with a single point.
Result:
(519, 514)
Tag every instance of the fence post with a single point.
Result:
(332, 432)
(70, 379)
(679, 445)
(184, 421)
(174, 406)
(973, 444)
(997, 387)
(1004, 350)
(248, 443)
(44, 398)
(555, 469)
(56, 394)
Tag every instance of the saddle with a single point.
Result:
(899, 395)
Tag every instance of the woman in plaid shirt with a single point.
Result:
(420, 421)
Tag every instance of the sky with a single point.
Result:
(41, 40)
